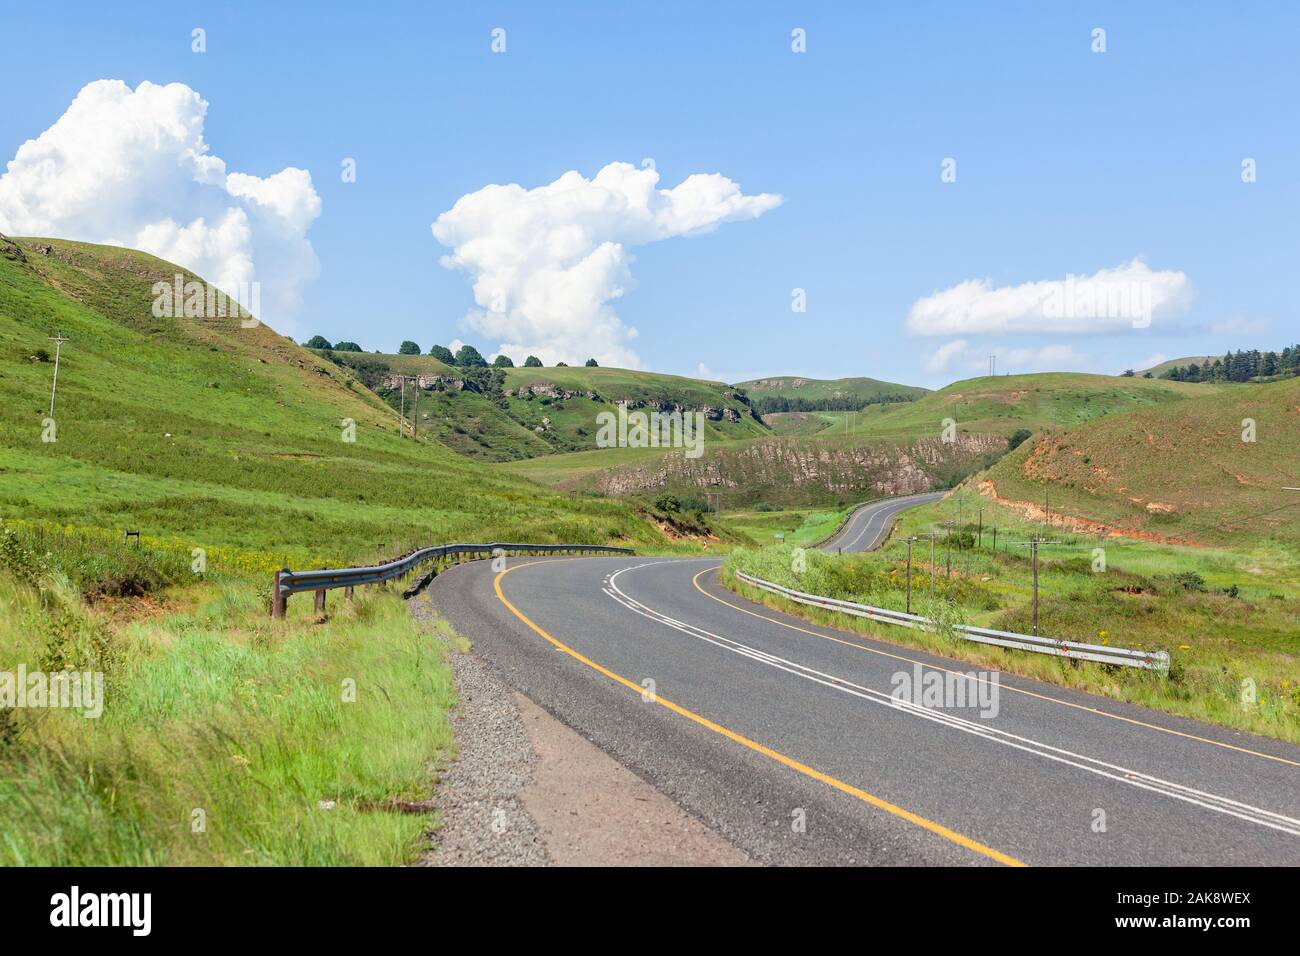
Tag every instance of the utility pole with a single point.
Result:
(58, 341)
(909, 575)
(415, 411)
(993, 364)
(932, 569)
(401, 421)
(1034, 548)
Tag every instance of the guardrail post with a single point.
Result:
(320, 601)
(347, 593)
(279, 599)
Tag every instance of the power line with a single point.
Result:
(58, 341)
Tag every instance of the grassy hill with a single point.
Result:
(520, 413)
(821, 394)
(832, 458)
(224, 738)
(1177, 470)
(201, 430)
(1003, 404)
(1165, 366)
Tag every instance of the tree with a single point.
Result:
(318, 342)
(591, 363)
(442, 354)
(469, 357)
(1018, 438)
(532, 362)
(561, 364)
(347, 347)
(503, 361)
(1128, 373)
(408, 348)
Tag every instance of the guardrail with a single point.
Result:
(293, 582)
(1074, 650)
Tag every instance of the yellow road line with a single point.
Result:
(1018, 690)
(793, 764)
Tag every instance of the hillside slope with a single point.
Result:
(200, 430)
(1003, 404)
(895, 448)
(515, 413)
(795, 393)
(1178, 471)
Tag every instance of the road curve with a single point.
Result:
(784, 736)
(868, 526)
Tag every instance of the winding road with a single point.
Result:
(788, 738)
(870, 524)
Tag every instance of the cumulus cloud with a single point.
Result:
(960, 356)
(547, 262)
(1130, 295)
(131, 168)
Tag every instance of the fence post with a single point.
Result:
(279, 599)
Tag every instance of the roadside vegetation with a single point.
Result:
(1227, 616)
(225, 738)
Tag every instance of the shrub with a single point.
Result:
(1018, 438)
(318, 342)
(532, 362)
(469, 357)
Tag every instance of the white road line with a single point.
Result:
(1093, 765)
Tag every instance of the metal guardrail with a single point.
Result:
(1074, 650)
(292, 582)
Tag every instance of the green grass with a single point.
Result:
(1176, 471)
(795, 387)
(1003, 404)
(224, 736)
(1225, 615)
(802, 527)
(493, 422)
(201, 434)
(201, 430)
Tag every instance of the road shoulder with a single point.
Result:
(527, 790)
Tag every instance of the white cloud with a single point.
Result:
(131, 168)
(547, 262)
(1128, 296)
(959, 356)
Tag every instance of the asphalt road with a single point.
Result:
(786, 737)
(870, 524)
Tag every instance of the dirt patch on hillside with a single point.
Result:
(1036, 512)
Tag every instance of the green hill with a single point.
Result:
(1174, 471)
(831, 458)
(519, 413)
(794, 393)
(1165, 366)
(199, 430)
(1004, 404)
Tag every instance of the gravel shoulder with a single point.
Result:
(527, 790)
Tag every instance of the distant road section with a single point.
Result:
(868, 526)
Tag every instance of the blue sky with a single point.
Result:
(1068, 161)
